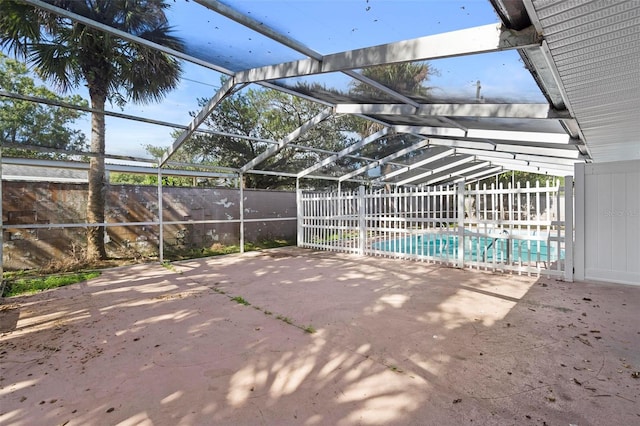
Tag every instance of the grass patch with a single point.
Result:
(168, 265)
(18, 283)
(241, 300)
(309, 329)
(284, 319)
(175, 253)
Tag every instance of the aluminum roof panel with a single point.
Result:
(596, 49)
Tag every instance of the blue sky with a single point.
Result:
(327, 26)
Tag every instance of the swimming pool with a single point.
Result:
(477, 248)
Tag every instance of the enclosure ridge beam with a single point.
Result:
(224, 91)
(417, 164)
(125, 35)
(513, 151)
(512, 148)
(437, 170)
(519, 156)
(529, 166)
(348, 150)
(431, 131)
(274, 149)
(482, 39)
(559, 139)
(388, 158)
(534, 111)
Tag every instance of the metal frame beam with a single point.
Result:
(493, 134)
(483, 39)
(387, 159)
(274, 149)
(466, 159)
(121, 168)
(516, 156)
(530, 111)
(226, 88)
(482, 175)
(514, 148)
(308, 65)
(125, 35)
(529, 166)
(348, 150)
(459, 173)
(418, 164)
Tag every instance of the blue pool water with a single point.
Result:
(476, 248)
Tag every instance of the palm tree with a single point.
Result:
(408, 79)
(68, 54)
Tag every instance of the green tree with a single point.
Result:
(29, 123)
(514, 177)
(180, 156)
(265, 114)
(69, 53)
(408, 79)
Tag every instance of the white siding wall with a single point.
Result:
(608, 228)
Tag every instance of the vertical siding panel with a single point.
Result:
(632, 246)
(618, 221)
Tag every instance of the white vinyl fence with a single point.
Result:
(520, 229)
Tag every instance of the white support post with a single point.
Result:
(160, 221)
(568, 228)
(362, 221)
(460, 195)
(241, 204)
(579, 253)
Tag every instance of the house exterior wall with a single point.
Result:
(608, 222)
(45, 203)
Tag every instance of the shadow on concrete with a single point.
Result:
(395, 343)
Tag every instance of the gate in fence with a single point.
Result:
(521, 229)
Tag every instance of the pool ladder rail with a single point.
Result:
(486, 249)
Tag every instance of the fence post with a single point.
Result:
(568, 228)
(362, 222)
(299, 214)
(160, 224)
(460, 195)
(241, 204)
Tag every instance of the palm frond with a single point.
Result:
(19, 27)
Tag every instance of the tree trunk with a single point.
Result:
(97, 184)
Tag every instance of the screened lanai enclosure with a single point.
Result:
(453, 187)
(397, 120)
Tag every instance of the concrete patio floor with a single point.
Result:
(395, 343)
